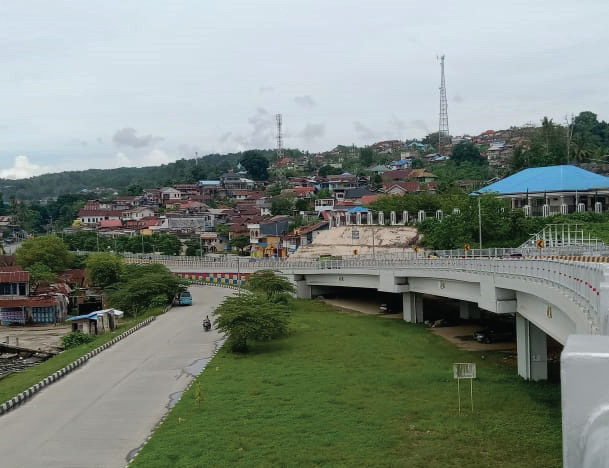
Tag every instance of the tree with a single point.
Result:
(251, 317)
(240, 242)
(256, 164)
(222, 229)
(276, 288)
(41, 274)
(465, 151)
(144, 286)
(281, 206)
(327, 170)
(366, 156)
(302, 204)
(323, 193)
(50, 251)
(103, 269)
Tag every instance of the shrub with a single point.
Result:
(74, 339)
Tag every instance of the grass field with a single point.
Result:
(353, 390)
(16, 383)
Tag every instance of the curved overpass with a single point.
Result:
(550, 297)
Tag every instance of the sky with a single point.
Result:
(138, 83)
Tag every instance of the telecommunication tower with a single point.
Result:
(279, 138)
(443, 135)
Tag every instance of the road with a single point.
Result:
(99, 415)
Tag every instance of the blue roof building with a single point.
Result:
(564, 189)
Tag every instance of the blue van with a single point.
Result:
(184, 298)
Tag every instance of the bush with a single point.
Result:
(74, 339)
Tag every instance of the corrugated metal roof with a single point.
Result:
(29, 302)
(549, 179)
(14, 276)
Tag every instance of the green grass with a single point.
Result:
(15, 383)
(352, 390)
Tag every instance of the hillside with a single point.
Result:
(181, 171)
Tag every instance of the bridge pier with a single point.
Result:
(412, 306)
(531, 344)
(468, 310)
(303, 290)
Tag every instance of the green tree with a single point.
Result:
(256, 164)
(142, 286)
(223, 229)
(327, 170)
(50, 251)
(276, 288)
(302, 204)
(323, 193)
(41, 274)
(282, 206)
(104, 269)
(465, 151)
(366, 156)
(251, 317)
(240, 242)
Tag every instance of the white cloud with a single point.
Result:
(23, 168)
(122, 160)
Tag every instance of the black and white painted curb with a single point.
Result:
(135, 452)
(219, 285)
(30, 392)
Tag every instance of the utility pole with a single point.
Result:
(443, 134)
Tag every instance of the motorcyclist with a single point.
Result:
(207, 323)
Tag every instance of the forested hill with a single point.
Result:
(182, 171)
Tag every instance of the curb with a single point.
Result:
(133, 456)
(30, 392)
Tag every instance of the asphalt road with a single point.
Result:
(100, 414)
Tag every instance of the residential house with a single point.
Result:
(304, 192)
(138, 213)
(231, 181)
(304, 235)
(270, 239)
(324, 204)
(211, 189)
(94, 217)
(170, 195)
(152, 196)
(401, 164)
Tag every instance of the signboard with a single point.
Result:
(465, 370)
(355, 235)
(416, 249)
(540, 243)
(466, 247)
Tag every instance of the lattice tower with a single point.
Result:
(443, 135)
(279, 137)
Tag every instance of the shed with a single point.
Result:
(97, 322)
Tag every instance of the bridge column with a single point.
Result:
(412, 304)
(468, 310)
(584, 365)
(303, 290)
(532, 350)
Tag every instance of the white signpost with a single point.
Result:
(465, 370)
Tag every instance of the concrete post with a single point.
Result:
(564, 209)
(404, 217)
(527, 210)
(392, 218)
(381, 219)
(412, 305)
(468, 310)
(545, 211)
(358, 218)
(598, 207)
(439, 215)
(370, 218)
(421, 216)
(581, 207)
(584, 379)
(532, 350)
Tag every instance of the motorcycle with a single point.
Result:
(207, 325)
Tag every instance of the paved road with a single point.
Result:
(99, 414)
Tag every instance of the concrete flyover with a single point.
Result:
(565, 299)
(103, 412)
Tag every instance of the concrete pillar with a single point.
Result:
(532, 350)
(581, 207)
(381, 219)
(358, 218)
(545, 210)
(527, 210)
(598, 207)
(369, 218)
(303, 290)
(392, 218)
(584, 372)
(421, 216)
(468, 310)
(564, 209)
(404, 217)
(439, 215)
(412, 305)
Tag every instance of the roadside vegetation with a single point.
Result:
(354, 390)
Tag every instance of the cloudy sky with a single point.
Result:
(133, 83)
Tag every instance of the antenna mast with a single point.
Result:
(279, 138)
(443, 135)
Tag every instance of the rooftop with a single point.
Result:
(549, 179)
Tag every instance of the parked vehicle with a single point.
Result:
(184, 298)
(494, 335)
